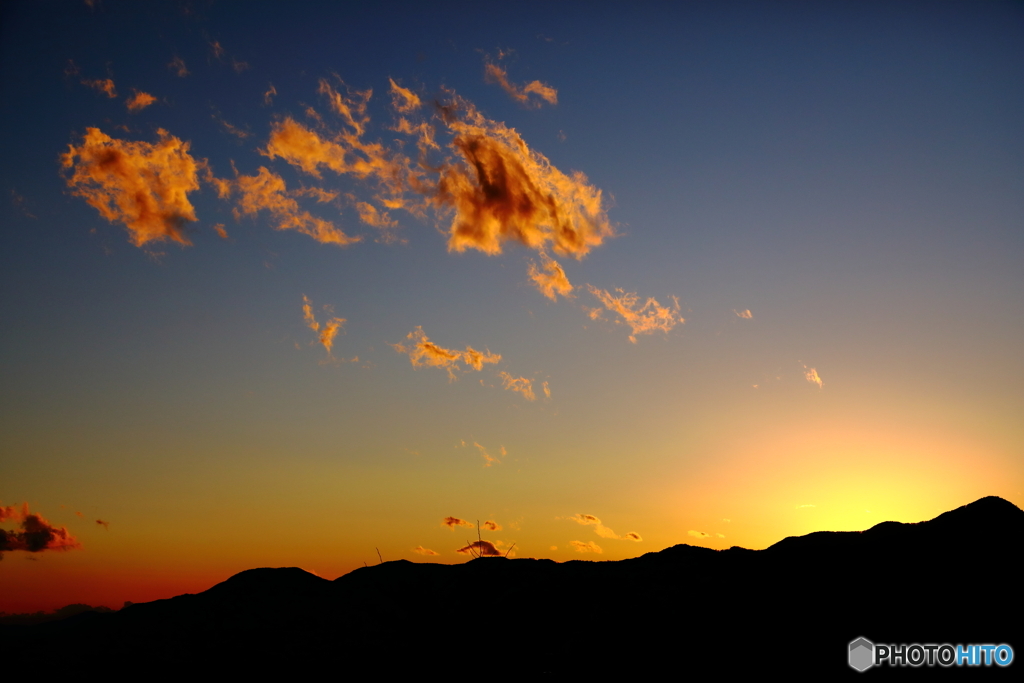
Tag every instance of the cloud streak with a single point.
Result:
(520, 385)
(143, 185)
(424, 353)
(541, 92)
(649, 318)
(452, 522)
(549, 278)
(586, 547)
(601, 530)
(327, 331)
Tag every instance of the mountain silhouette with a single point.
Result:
(792, 607)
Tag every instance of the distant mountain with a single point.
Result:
(792, 607)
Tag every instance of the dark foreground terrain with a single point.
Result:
(685, 611)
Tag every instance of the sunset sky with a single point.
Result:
(284, 284)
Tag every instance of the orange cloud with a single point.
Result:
(143, 185)
(424, 551)
(504, 191)
(479, 549)
(326, 332)
(219, 228)
(139, 101)
(103, 85)
(491, 525)
(601, 530)
(811, 375)
(233, 130)
(402, 99)
(268, 191)
(586, 547)
(521, 94)
(216, 49)
(746, 314)
(177, 65)
(488, 458)
(646, 319)
(268, 97)
(452, 522)
(698, 534)
(547, 390)
(550, 279)
(105, 525)
(520, 384)
(424, 353)
(36, 533)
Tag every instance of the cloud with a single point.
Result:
(233, 130)
(216, 49)
(519, 384)
(547, 389)
(36, 533)
(177, 65)
(424, 551)
(425, 353)
(491, 525)
(143, 185)
(219, 229)
(646, 319)
(268, 97)
(103, 85)
(480, 548)
(698, 534)
(586, 547)
(105, 525)
(521, 94)
(452, 522)
(488, 458)
(326, 332)
(601, 530)
(806, 506)
(501, 191)
(549, 278)
(811, 375)
(403, 100)
(267, 190)
(139, 101)
(744, 314)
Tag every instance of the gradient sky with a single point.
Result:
(824, 200)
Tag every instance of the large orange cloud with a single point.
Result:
(501, 190)
(143, 185)
(36, 533)
(646, 319)
(520, 93)
(424, 353)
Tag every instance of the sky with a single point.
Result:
(319, 285)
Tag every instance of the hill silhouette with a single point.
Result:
(793, 607)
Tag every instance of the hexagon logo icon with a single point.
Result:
(862, 654)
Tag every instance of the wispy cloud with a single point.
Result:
(139, 101)
(103, 85)
(491, 525)
(811, 375)
(452, 522)
(327, 331)
(268, 97)
(143, 185)
(403, 100)
(488, 458)
(177, 65)
(649, 318)
(601, 530)
(586, 547)
(746, 314)
(698, 534)
(424, 353)
(540, 92)
(520, 385)
(267, 191)
(104, 524)
(424, 551)
(549, 278)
